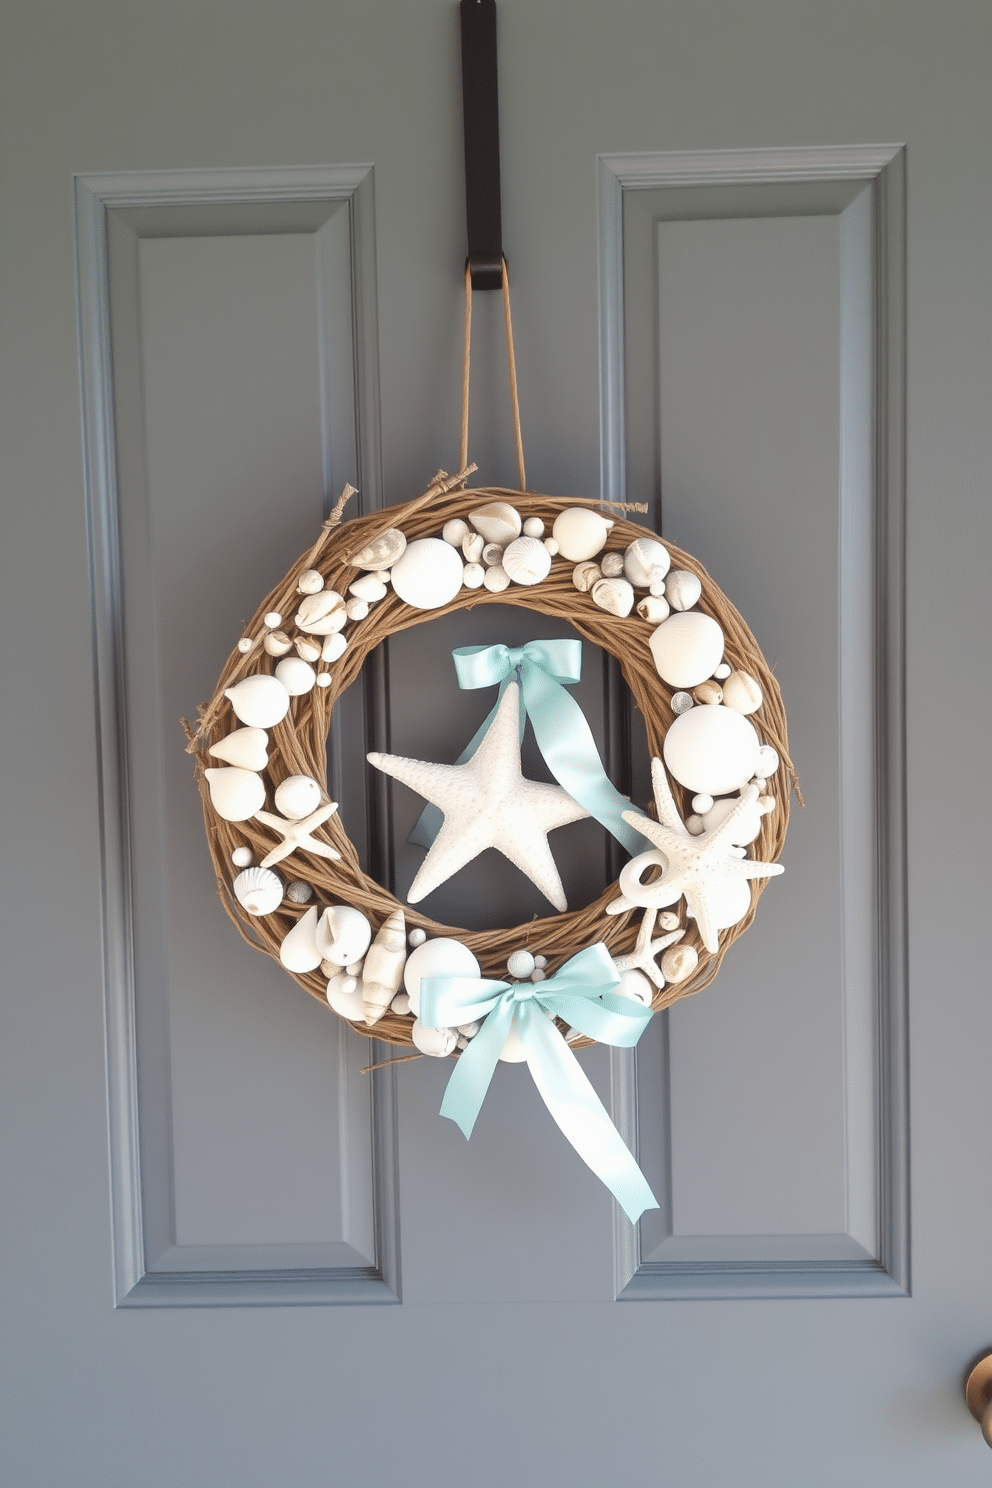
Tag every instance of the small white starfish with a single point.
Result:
(487, 803)
(642, 957)
(694, 866)
(296, 834)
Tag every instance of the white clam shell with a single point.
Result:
(527, 560)
(382, 974)
(455, 532)
(297, 796)
(296, 675)
(309, 582)
(343, 934)
(498, 521)
(585, 575)
(428, 575)
(245, 747)
(580, 533)
(711, 750)
(679, 962)
(258, 890)
(496, 579)
(235, 794)
(334, 646)
(345, 996)
(277, 643)
(381, 552)
(742, 693)
(438, 1042)
(369, 587)
(308, 647)
(686, 648)
(654, 609)
(259, 701)
(323, 613)
(615, 596)
(442, 956)
(748, 824)
(682, 589)
(298, 951)
(646, 561)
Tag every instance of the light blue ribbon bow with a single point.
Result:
(563, 735)
(582, 994)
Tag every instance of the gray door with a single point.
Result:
(748, 248)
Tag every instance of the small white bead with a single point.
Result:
(551, 544)
(533, 527)
(694, 826)
(701, 804)
(273, 619)
(668, 920)
(538, 975)
(455, 532)
(521, 964)
(401, 1004)
(245, 645)
(323, 679)
(540, 960)
(241, 857)
(417, 936)
(722, 671)
(473, 575)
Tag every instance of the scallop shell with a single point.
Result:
(682, 589)
(296, 675)
(298, 951)
(369, 587)
(498, 521)
(742, 693)
(645, 561)
(654, 609)
(455, 532)
(345, 996)
(614, 595)
(307, 648)
(527, 560)
(496, 579)
(581, 533)
(585, 574)
(711, 750)
(258, 890)
(381, 552)
(297, 796)
(343, 934)
(309, 582)
(235, 794)
(277, 643)
(245, 747)
(442, 956)
(260, 701)
(323, 613)
(679, 962)
(438, 1042)
(428, 575)
(382, 974)
(686, 648)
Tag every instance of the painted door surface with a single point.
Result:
(748, 250)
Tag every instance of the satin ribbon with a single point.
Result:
(563, 735)
(582, 994)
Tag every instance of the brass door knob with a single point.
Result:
(978, 1393)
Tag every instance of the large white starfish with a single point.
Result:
(694, 866)
(296, 834)
(487, 803)
(642, 957)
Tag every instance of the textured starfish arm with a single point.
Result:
(664, 801)
(535, 859)
(436, 783)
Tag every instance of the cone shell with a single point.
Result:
(498, 521)
(235, 794)
(382, 974)
(298, 951)
(260, 701)
(527, 560)
(258, 890)
(245, 747)
(382, 552)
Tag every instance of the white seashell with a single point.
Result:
(369, 587)
(635, 985)
(417, 936)
(246, 644)
(428, 575)
(296, 675)
(614, 595)
(527, 560)
(345, 997)
(472, 547)
(381, 552)
(768, 761)
(469, 1030)
(343, 934)
(646, 561)
(455, 532)
(722, 671)
(307, 648)
(334, 646)
(299, 892)
(581, 533)
(748, 824)
(276, 643)
(520, 964)
(702, 803)
(473, 575)
(552, 546)
(679, 962)
(309, 582)
(541, 961)
(654, 609)
(729, 901)
(442, 956)
(682, 589)
(298, 951)
(686, 648)
(534, 527)
(297, 796)
(258, 890)
(742, 693)
(708, 693)
(259, 701)
(694, 825)
(498, 521)
(496, 579)
(585, 574)
(323, 613)
(400, 1004)
(357, 609)
(245, 747)
(711, 750)
(382, 974)
(438, 1042)
(681, 702)
(612, 565)
(273, 619)
(241, 857)
(492, 554)
(235, 794)
(668, 920)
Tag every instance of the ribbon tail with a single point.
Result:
(466, 1089)
(431, 819)
(581, 1115)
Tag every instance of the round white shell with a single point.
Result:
(245, 747)
(686, 648)
(417, 936)
(382, 551)
(438, 1042)
(235, 794)
(635, 985)
(309, 582)
(496, 579)
(259, 701)
(455, 532)
(442, 956)
(258, 890)
(712, 750)
(273, 619)
(748, 824)
(241, 857)
(768, 761)
(520, 964)
(343, 934)
(298, 951)
(580, 533)
(323, 613)
(534, 527)
(299, 892)
(296, 675)
(527, 560)
(742, 693)
(682, 589)
(345, 996)
(429, 574)
(498, 521)
(645, 562)
(615, 596)
(297, 796)
(369, 587)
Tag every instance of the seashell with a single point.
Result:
(498, 521)
(654, 609)
(246, 644)
(382, 974)
(765, 804)
(324, 679)
(343, 934)
(296, 675)
(241, 857)
(681, 702)
(694, 825)
(492, 554)
(307, 648)
(382, 552)
(702, 803)
(442, 956)
(581, 533)
(527, 560)
(552, 546)
(748, 824)
(345, 996)
(245, 747)
(585, 574)
(669, 920)
(357, 609)
(438, 1042)
(299, 892)
(646, 561)
(679, 962)
(496, 579)
(273, 619)
(259, 701)
(708, 693)
(309, 582)
(541, 961)
(455, 532)
(235, 794)
(742, 693)
(533, 527)
(297, 796)
(612, 565)
(538, 974)
(276, 643)
(298, 951)
(323, 613)
(469, 1030)
(520, 964)
(400, 1004)
(614, 595)
(472, 547)
(417, 936)
(768, 761)
(428, 575)
(711, 750)
(473, 575)
(722, 671)
(682, 589)
(635, 985)
(686, 648)
(334, 646)
(258, 890)
(369, 587)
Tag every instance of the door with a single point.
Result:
(747, 248)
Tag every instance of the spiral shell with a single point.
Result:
(258, 890)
